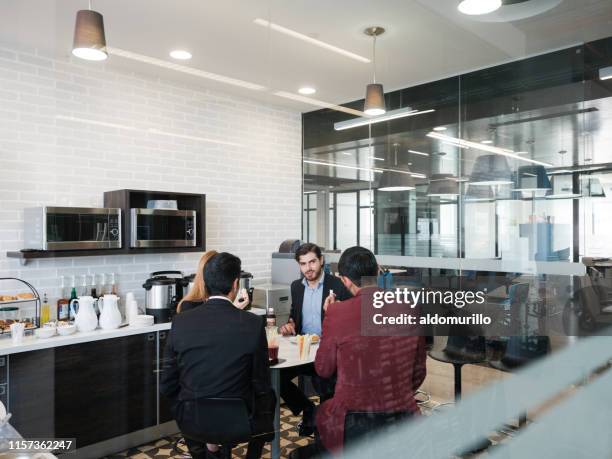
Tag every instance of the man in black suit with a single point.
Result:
(218, 350)
(308, 296)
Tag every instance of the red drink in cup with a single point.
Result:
(272, 337)
(273, 353)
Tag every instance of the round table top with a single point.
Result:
(288, 353)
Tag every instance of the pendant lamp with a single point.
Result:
(375, 98)
(89, 39)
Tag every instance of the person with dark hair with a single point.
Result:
(218, 350)
(308, 296)
(374, 373)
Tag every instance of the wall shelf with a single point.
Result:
(126, 199)
(24, 256)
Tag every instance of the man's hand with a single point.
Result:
(242, 299)
(331, 298)
(288, 328)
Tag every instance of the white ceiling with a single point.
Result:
(425, 40)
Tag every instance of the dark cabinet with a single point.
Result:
(31, 398)
(105, 388)
(91, 391)
(165, 413)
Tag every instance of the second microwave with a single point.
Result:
(162, 228)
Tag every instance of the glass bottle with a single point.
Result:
(45, 311)
(73, 296)
(62, 303)
(113, 285)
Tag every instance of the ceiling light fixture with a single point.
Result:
(489, 148)
(439, 128)
(486, 142)
(375, 97)
(478, 7)
(312, 41)
(392, 115)
(414, 152)
(605, 73)
(307, 90)
(89, 40)
(378, 170)
(376, 158)
(180, 54)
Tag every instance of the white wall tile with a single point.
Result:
(253, 191)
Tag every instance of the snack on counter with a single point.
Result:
(25, 296)
(314, 339)
(5, 325)
(18, 296)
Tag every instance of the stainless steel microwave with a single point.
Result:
(72, 228)
(163, 228)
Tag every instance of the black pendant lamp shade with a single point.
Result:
(443, 185)
(374, 100)
(89, 40)
(396, 181)
(375, 97)
(491, 170)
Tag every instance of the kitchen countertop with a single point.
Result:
(31, 343)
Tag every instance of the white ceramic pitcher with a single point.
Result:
(85, 319)
(110, 317)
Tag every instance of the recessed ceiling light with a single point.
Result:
(477, 7)
(180, 54)
(307, 90)
(376, 158)
(439, 128)
(486, 142)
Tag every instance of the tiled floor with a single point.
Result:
(174, 448)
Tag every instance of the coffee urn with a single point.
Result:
(162, 294)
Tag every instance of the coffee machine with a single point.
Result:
(163, 292)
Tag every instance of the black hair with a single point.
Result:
(220, 273)
(307, 248)
(356, 263)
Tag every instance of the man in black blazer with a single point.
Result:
(308, 296)
(218, 350)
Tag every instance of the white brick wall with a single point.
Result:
(253, 190)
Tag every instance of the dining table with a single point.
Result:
(288, 356)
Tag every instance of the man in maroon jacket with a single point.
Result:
(375, 373)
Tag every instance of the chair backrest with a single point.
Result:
(215, 420)
(360, 424)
